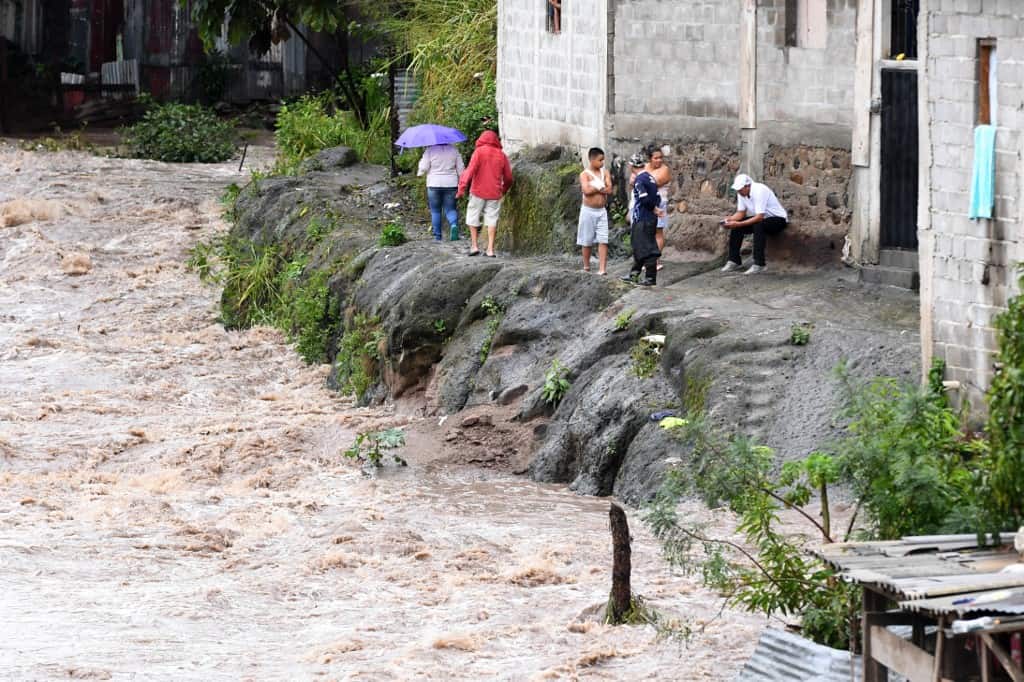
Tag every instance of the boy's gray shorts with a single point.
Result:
(593, 226)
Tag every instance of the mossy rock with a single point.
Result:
(540, 212)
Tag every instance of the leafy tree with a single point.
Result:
(262, 23)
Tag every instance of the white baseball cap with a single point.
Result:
(741, 181)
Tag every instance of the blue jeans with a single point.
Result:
(442, 201)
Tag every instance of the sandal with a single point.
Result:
(491, 255)
(474, 253)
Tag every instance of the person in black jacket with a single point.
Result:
(645, 220)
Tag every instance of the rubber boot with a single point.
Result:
(454, 236)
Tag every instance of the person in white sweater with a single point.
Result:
(442, 164)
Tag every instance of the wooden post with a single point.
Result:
(3, 85)
(873, 670)
(748, 64)
(621, 597)
(860, 151)
(940, 638)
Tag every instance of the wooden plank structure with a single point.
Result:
(963, 601)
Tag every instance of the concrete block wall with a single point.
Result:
(972, 261)
(552, 88)
(676, 63)
(805, 95)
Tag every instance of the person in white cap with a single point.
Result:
(758, 212)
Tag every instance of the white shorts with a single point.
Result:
(490, 208)
(593, 226)
(663, 205)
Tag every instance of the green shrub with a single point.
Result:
(556, 385)
(495, 312)
(392, 234)
(623, 319)
(309, 315)
(1003, 476)
(800, 334)
(645, 356)
(315, 122)
(181, 133)
(370, 446)
(911, 466)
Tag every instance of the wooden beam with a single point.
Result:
(748, 64)
(873, 604)
(864, 69)
(940, 638)
(1014, 670)
(900, 656)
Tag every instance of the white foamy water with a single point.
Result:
(176, 505)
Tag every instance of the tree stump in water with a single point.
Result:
(620, 602)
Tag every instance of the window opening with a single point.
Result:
(554, 21)
(988, 101)
(903, 28)
(807, 23)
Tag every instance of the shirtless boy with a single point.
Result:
(596, 184)
(662, 175)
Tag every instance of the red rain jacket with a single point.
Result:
(489, 171)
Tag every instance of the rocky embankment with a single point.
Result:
(425, 320)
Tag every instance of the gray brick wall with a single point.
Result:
(974, 260)
(551, 87)
(696, 43)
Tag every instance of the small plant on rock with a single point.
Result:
(646, 356)
(495, 312)
(392, 234)
(623, 319)
(800, 334)
(371, 446)
(556, 385)
(440, 327)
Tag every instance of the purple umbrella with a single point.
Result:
(427, 135)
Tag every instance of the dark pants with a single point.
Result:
(760, 230)
(442, 204)
(645, 246)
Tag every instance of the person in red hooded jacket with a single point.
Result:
(487, 177)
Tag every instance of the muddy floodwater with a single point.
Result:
(176, 505)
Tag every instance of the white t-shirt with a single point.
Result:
(761, 200)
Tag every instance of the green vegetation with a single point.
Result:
(645, 356)
(800, 334)
(355, 366)
(623, 319)
(1003, 479)
(370, 446)
(61, 141)
(316, 122)
(556, 383)
(392, 234)
(440, 327)
(495, 312)
(905, 456)
(776, 575)
(181, 133)
(695, 393)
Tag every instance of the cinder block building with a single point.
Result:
(972, 61)
(861, 114)
(762, 85)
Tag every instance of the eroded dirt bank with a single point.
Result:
(177, 506)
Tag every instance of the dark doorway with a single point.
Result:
(899, 159)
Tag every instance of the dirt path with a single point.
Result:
(177, 506)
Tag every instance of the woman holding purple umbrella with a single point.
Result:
(442, 164)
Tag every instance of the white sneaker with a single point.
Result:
(730, 266)
(755, 269)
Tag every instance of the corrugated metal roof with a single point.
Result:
(782, 656)
(928, 574)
